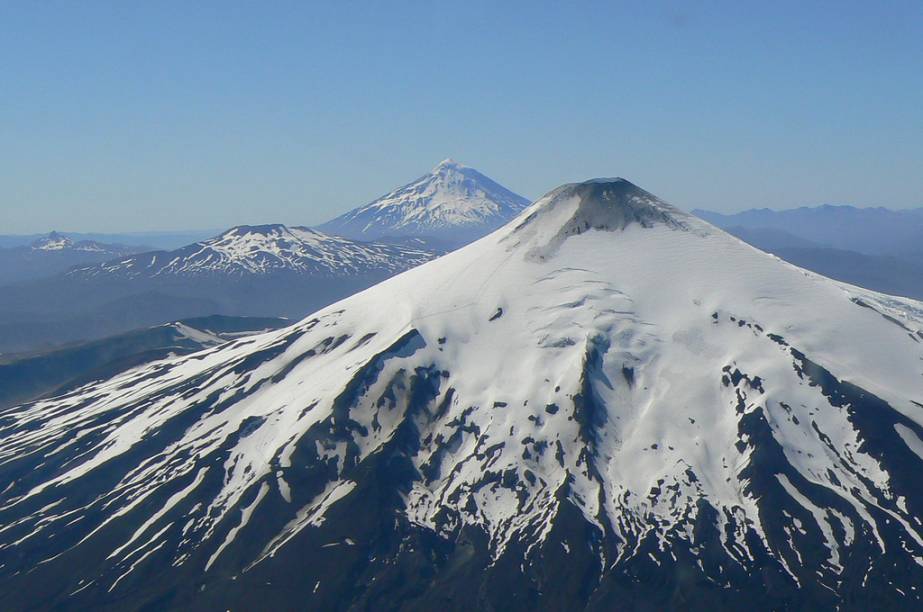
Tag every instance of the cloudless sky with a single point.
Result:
(120, 116)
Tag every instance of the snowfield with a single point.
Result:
(606, 399)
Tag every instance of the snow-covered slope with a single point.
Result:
(608, 403)
(262, 250)
(453, 203)
(30, 376)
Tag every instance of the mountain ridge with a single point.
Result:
(873, 231)
(264, 249)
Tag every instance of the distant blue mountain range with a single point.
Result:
(873, 231)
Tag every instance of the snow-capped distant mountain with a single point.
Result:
(54, 253)
(265, 250)
(606, 404)
(143, 241)
(59, 242)
(453, 202)
(52, 242)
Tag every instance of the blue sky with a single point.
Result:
(163, 115)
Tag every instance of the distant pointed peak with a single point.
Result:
(452, 202)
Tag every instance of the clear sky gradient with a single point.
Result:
(123, 116)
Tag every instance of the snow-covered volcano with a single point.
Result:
(453, 203)
(606, 404)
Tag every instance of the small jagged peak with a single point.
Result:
(447, 164)
(54, 241)
(603, 204)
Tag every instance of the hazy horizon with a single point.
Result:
(90, 230)
(217, 229)
(221, 228)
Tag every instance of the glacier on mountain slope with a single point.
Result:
(453, 202)
(604, 352)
